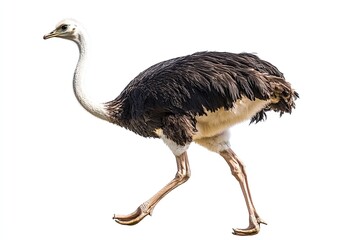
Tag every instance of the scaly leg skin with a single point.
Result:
(182, 175)
(238, 171)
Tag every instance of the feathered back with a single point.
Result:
(190, 85)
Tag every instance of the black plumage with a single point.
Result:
(170, 94)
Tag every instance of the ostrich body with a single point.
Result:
(191, 98)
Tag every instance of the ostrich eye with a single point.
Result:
(64, 27)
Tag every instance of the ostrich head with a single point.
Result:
(67, 29)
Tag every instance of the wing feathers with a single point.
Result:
(188, 86)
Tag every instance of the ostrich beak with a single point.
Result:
(51, 35)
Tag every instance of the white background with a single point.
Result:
(64, 172)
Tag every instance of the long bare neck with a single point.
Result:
(96, 109)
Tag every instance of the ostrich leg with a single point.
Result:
(182, 175)
(238, 171)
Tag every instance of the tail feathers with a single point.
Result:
(285, 104)
(283, 99)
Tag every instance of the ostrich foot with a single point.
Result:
(147, 207)
(254, 227)
(133, 218)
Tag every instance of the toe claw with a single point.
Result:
(260, 221)
(117, 221)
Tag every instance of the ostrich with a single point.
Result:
(194, 98)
